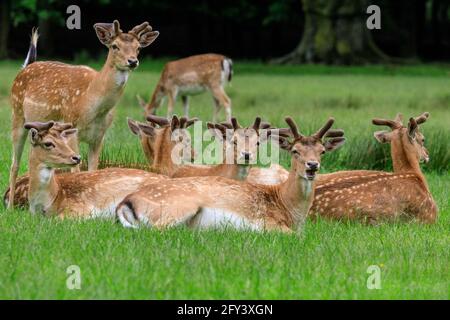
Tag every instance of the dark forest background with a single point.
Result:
(284, 31)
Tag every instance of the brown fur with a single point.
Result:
(282, 207)
(377, 195)
(82, 194)
(49, 90)
(204, 72)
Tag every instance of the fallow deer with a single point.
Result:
(81, 194)
(216, 201)
(190, 76)
(378, 195)
(49, 90)
(158, 146)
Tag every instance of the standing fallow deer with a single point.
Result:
(48, 90)
(190, 76)
(81, 194)
(377, 195)
(202, 202)
(158, 145)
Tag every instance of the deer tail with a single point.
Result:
(227, 67)
(32, 50)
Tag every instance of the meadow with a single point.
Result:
(328, 260)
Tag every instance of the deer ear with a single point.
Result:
(104, 32)
(34, 136)
(282, 142)
(147, 130)
(146, 38)
(133, 126)
(383, 136)
(69, 132)
(334, 143)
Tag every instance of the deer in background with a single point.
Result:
(190, 76)
(157, 145)
(203, 202)
(81, 194)
(378, 195)
(44, 91)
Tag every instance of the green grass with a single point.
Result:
(328, 260)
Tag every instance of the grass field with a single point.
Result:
(328, 260)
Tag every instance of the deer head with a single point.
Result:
(124, 47)
(409, 137)
(156, 135)
(307, 151)
(243, 142)
(50, 144)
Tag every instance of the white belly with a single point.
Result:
(221, 219)
(191, 89)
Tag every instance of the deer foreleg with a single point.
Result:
(170, 104)
(19, 136)
(94, 154)
(221, 99)
(185, 100)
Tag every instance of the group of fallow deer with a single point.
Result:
(59, 105)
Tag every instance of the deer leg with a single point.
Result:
(19, 136)
(94, 154)
(221, 99)
(216, 109)
(185, 100)
(170, 104)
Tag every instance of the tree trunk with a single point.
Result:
(335, 33)
(4, 28)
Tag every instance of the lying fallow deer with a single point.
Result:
(156, 140)
(50, 90)
(378, 195)
(158, 145)
(203, 202)
(82, 194)
(190, 76)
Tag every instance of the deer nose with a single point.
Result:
(133, 63)
(76, 159)
(312, 165)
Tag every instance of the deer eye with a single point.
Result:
(115, 47)
(48, 145)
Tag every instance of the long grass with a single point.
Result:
(328, 260)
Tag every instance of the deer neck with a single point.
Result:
(108, 85)
(296, 194)
(162, 157)
(43, 189)
(403, 159)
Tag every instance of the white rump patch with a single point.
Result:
(220, 218)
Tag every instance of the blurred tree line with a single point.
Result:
(283, 31)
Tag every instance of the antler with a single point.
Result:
(190, 122)
(293, 126)
(39, 126)
(235, 123)
(334, 133)
(161, 121)
(62, 126)
(393, 124)
(137, 30)
(257, 123)
(116, 28)
(322, 131)
(422, 118)
(175, 123)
